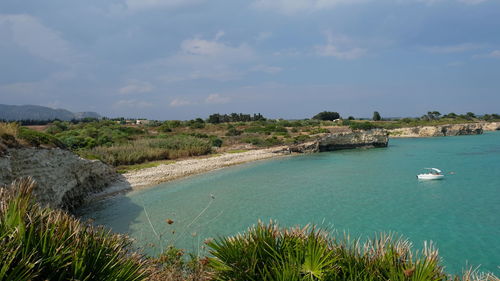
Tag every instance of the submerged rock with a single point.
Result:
(64, 179)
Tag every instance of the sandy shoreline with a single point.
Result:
(144, 178)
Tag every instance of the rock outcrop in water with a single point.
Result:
(344, 140)
(64, 179)
(442, 130)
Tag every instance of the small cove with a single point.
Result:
(360, 191)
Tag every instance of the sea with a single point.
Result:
(360, 192)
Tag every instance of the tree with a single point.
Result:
(214, 118)
(470, 114)
(376, 116)
(351, 118)
(450, 115)
(327, 116)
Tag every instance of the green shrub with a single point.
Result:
(362, 126)
(266, 252)
(314, 131)
(327, 115)
(272, 141)
(102, 133)
(216, 141)
(253, 140)
(301, 138)
(267, 129)
(142, 150)
(43, 244)
(232, 131)
(36, 138)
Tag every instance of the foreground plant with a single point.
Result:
(266, 252)
(42, 244)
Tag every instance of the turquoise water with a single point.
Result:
(360, 191)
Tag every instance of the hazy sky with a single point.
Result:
(180, 59)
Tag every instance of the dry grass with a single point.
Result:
(144, 150)
(9, 129)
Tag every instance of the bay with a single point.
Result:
(362, 192)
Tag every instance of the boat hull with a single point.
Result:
(430, 177)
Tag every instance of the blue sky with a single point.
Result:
(181, 59)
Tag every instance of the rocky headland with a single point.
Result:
(64, 179)
(344, 140)
(444, 130)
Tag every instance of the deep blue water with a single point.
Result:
(362, 192)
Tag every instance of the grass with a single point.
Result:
(42, 244)
(237, 151)
(12, 135)
(150, 149)
(267, 252)
(127, 168)
(9, 129)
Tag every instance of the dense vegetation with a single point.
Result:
(13, 135)
(42, 244)
(124, 142)
(266, 252)
(234, 117)
(327, 115)
(38, 243)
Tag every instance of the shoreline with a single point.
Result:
(148, 177)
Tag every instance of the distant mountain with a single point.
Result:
(36, 112)
(87, 114)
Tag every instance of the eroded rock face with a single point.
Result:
(354, 139)
(64, 179)
(344, 140)
(439, 130)
(493, 126)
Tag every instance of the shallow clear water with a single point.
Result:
(359, 191)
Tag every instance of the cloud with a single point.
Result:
(200, 49)
(267, 69)
(177, 102)
(468, 2)
(472, 2)
(138, 5)
(205, 59)
(136, 87)
(263, 36)
(287, 53)
(295, 6)
(332, 49)
(128, 104)
(216, 99)
(493, 54)
(459, 48)
(31, 35)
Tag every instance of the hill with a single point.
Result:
(36, 112)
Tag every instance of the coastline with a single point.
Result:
(148, 177)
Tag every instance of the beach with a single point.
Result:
(144, 178)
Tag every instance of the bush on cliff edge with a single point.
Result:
(42, 244)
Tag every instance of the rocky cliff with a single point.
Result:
(344, 140)
(64, 179)
(492, 126)
(441, 130)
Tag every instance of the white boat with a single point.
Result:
(434, 174)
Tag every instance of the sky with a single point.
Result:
(183, 59)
